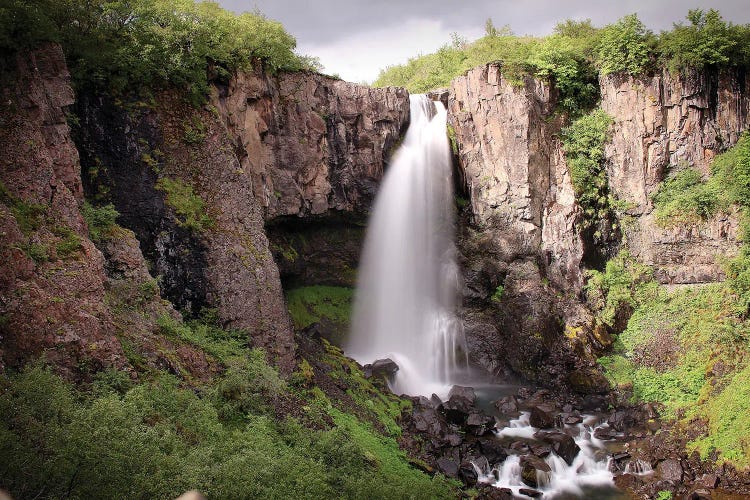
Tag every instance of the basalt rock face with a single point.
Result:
(523, 251)
(315, 149)
(520, 250)
(294, 152)
(52, 285)
(663, 124)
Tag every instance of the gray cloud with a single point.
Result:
(330, 26)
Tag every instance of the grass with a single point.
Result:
(311, 304)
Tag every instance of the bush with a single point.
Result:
(189, 207)
(624, 47)
(100, 220)
(583, 144)
(685, 198)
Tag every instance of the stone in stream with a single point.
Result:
(463, 392)
(381, 368)
(530, 493)
(493, 450)
(459, 405)
(542, 417)
(563, 445)
(530, 465)
(508, 404)
(572, 420)
(491, 493)
(480, 424)
(468, 474)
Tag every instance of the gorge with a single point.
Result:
(178, 276)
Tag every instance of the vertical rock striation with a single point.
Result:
(663, 124)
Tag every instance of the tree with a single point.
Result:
(707, 41)
(624, 47)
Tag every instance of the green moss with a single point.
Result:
(194, 131)
(69, 244)
(311, 304)
(452, 138)
(101, 220)
(189, 207)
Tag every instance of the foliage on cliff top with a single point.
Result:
(143, 43)
(572, 54)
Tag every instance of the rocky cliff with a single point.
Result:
(522, 240)
(194, 188)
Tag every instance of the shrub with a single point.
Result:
(624, 47)
(189, 207)
(583, 144)
(100, 220)
(685, 198)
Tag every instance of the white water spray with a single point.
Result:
(408, 280)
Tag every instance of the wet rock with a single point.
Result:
(507, 405)
(530, 493)
(492, 450)
(623, 419)
(541, 450)
(381, 368)
(519, 446)
(670, 470)
(605, 432)
(467, 473)
(530, 465)
(436, 401)
(542, 417)
(463, 392)
(482, 464)
(491, 493)
(480, 424)
(563, 445)
(447, 467)
(572, 420)
(594, 402)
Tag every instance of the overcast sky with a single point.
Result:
(357, 38)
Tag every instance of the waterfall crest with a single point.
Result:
(408, 279)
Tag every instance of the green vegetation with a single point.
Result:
(189, 207)
(157, 438)
(149, 43)
(688, 349)
(583, 143)
(100, 220)
(311, 304)
(571, 56)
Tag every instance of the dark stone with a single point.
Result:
(428, 420)
(541, 450)
(605, 433)
(468, 474)
(541, 417)
(493, 450)
(572, 420)
(530, 493)
(699, 494)
(594, 402)
(381, 368)
(480, 424)
(463, 392)
(563, 445)
(508, 404)
(454, 439)
(436, 401)
(623, 419)
(709, 481)
(519, 446)
(447, 467)
(529, 467)
(312, 331)
(588, 382)
(482, 464)
(488, 492)
(670, 470)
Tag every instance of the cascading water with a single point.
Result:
(408, 281)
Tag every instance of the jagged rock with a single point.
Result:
(454, 439)
(381, 368)
(670, 470)
(448, 467)
(507, 405)
(542, 417)
(563, 445)
(466, 394)
(491, 493)
(492, 450)
(480, 424)
(622, 420)
(530, 493)
(467, 473)
(428, 420)
(530, 465)
(459, 405)
(709, 481)
(541, 450)
(572, 420)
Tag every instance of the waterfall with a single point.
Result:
(408, 278)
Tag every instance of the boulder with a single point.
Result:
(563, 445)
(480, 424)
(467, 473)
(428, 420)
(542, 417)
(381, 368)
(447, 467)
(530, 465)
(530, 493)
(670, 470)
(466, 393)
(492, 450)
(709, 481)
(507, 405)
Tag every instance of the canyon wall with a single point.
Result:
(524, 250)
(195, 189)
